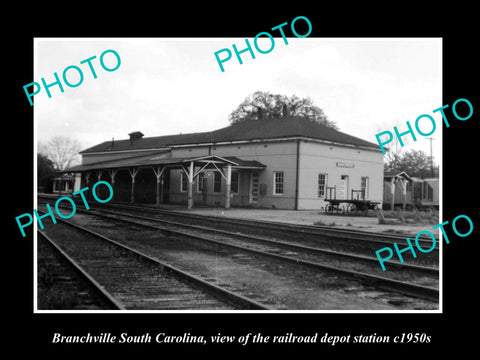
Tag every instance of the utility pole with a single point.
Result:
(431, 156)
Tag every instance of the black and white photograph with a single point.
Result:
(268, 191)
(299, 180)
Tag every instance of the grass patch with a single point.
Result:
(52, 295)
(408, 217)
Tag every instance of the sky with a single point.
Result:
(167, 86)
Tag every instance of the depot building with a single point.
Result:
(285, 163)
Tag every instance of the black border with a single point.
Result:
(28, 331)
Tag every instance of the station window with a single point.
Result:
(364, 186)
(322, 185)
(234, 183)
(183, 182)
(217, 182)
(278, 179)
(200, 180)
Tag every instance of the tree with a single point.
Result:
(394, 153)
(62, 151)
(45, 172)
(264, 105)
(415, 163)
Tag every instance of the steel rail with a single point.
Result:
(99, 289)
(317, 230)
(217, 291)
(291, 246)
(405, 288)
(296, 247)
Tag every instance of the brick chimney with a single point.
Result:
(135, 136)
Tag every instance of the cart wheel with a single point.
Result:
(329, 209)
(367, 208)
(351, 209)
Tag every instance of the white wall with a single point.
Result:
(336, 161)
(277, 156)
(314, 158)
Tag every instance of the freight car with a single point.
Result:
(400, 191)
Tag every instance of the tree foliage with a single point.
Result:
(415, 163)
(264, 105)
(45, 172)
(62, 151)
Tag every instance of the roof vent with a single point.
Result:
(135, 136)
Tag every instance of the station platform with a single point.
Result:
(312, 217)
(300, 217)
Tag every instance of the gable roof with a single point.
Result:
(265, 129)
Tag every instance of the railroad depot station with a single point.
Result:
(283, 163)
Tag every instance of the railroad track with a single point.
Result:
(134, 280)
(292, 245)
(355, 237)
(275, 252)
(63, 284)
(299, 250)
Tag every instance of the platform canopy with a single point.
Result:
(160, 160)
(164, 158)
